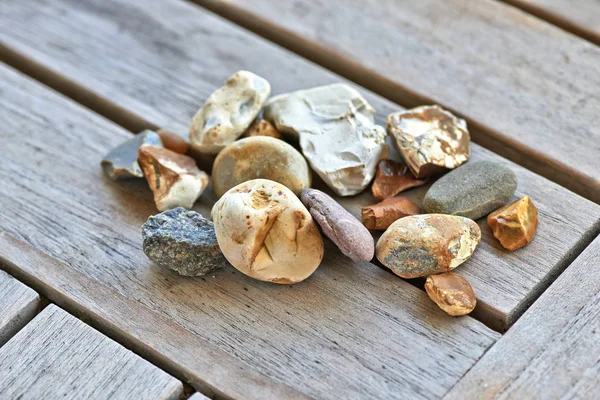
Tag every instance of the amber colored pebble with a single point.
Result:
(173, 141)
(392, 178)
(262, 127)
(514, 225)
(451, 292)
(381, 215)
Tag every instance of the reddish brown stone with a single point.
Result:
(392, 178)
(514, 225)
(451, 292)
(173, 141)
(381, 215)
(262, 127)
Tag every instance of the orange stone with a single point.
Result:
(452, 293)
(173, 141)
(381, 215)
(514, 225)
(262, 127)
(392, 178)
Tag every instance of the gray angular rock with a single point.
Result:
(348, 234)
(121, 162)
(473, 190)
(182, 240)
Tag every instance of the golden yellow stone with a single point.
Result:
(430, 139)
(262, 127)
(514, 225)
(452, 293)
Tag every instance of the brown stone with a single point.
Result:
(262, 127)
(514, 225)
(452, 293)
(174, 178)
(381, 215)
(430, 139)
(392, 178)
(173, 141)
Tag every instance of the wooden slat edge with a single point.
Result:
(525, 156)
(29, 305)
(190, 359)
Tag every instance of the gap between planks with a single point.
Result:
(485, 136)
(484, 313)
(554, 18)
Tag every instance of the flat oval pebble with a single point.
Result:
(260, 157)
(428, 244)
(348, 234)
(473, 190)
(182, 240)
(265, 232)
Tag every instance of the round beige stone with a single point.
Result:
(265, 232)
(260, 157)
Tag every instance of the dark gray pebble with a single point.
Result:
(472, 190)
(182, 240)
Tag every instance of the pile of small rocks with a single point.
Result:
(268, 220)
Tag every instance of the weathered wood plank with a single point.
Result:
(528, 89)
(352, 329)
(58, 356)
(18, 305)
(581, 17)
(198, 396)
(162, 58)
(553, 351)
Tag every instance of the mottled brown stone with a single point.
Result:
(173, 141)
(514, 225)
(392, 178)
(451, 292)
(262, 127)
(427, 244)
(174, 178)
(381, 215)
(430, 139)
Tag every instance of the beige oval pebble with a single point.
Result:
(452, 293)
(265, 232)
(421, 245)
(260, 157)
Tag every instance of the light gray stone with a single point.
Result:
(121, 162)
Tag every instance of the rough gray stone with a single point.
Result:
(121, 162)
(182, 240)
(473, 190)
(348, 234)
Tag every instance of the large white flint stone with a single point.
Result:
(337, 133)
(228, 112)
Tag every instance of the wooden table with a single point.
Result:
(79, 77)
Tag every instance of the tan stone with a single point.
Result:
(452, 293)
(260, 157)
(381, 215)
(173, 141)
(262, 127)
(174, 178)
(430, 139)
(427, 244)
(514, 225)
(265, 232)
(392, 178)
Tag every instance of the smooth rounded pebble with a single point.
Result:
(182, 240)
(473, 190)
(452, 293)
(260, 157)
(348, 234)
(265, 232)
(427, 244)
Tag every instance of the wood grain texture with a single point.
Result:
(198, 396)
(58, 356)
(152, 66)
(581, 17)
(18, 305)
(553, 351)
(528, 89)
(351, 329)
